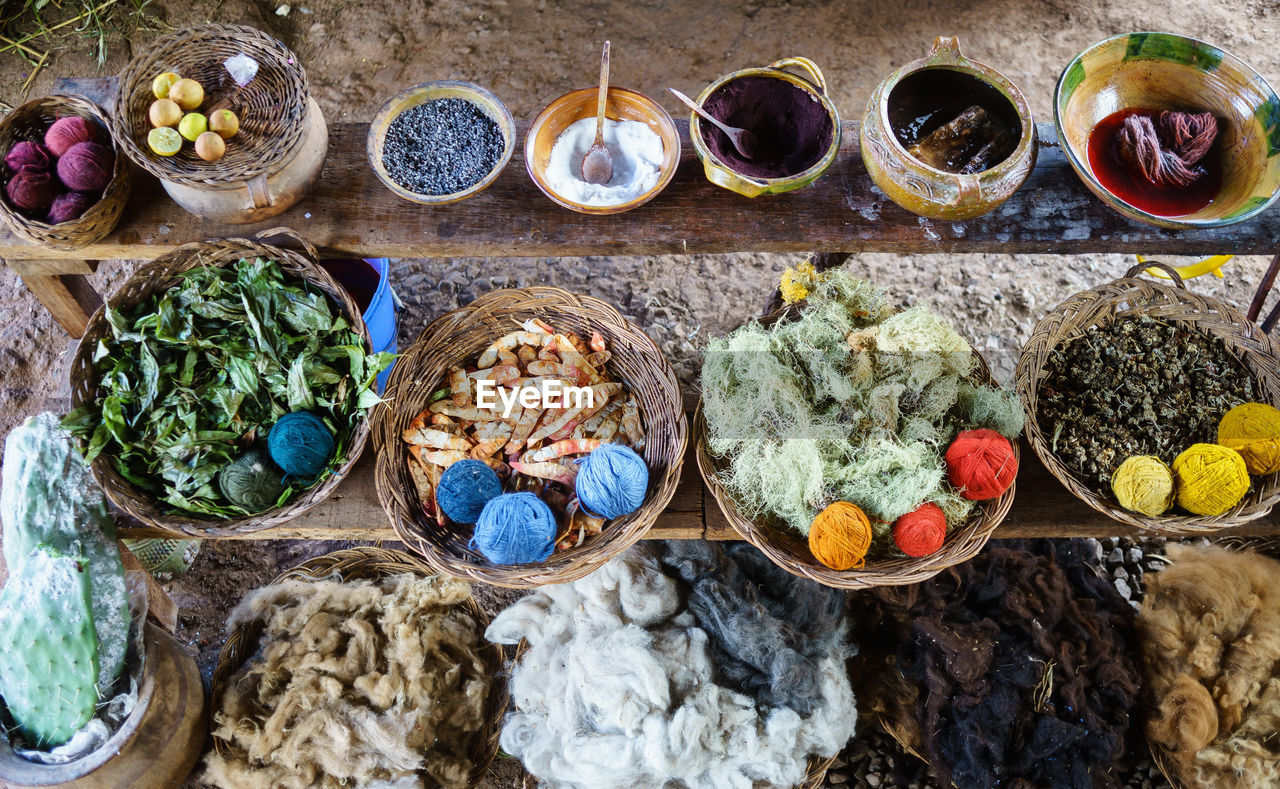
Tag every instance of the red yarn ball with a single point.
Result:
(86, 167)
(32, 190)
(981, 464)
(27, 154)
(66, 132)
(70, 205)
(921, 532)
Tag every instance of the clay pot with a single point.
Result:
(721, 174)
(925, 190)
(155, 748)
(1172, 72)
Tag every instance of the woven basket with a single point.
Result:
(272, 108)
(373, 563)
(790, 551)
(462, 335)
(1129, 296)
(29, 123)
(160, 275)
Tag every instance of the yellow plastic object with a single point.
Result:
(1210, 265)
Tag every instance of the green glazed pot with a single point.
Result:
(1168, 71)
(720, 174)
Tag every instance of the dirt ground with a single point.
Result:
(529, 51)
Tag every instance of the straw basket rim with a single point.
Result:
(375, 563)
(463, 333)
(1131, 295)
(279, 93)
(160, 275)
(103, 216)
(790, 551)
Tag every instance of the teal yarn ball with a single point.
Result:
(300, 444)
(515, 528)
(251, 482)
(464, 489)
(612, 481)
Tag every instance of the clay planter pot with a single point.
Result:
(1171, 72)
(484, 100)
(928, 191)
(721, 173)
(155, 748)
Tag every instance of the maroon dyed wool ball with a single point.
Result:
(66, 132)
(70, 205)
(27, 154)
(32, 190)
(86, 167)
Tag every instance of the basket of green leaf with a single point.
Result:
(224, 388)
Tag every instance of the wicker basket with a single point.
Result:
(29, 122)
(1170, 303)
(462, 335)
(272, 108)
(790, 551)
(368, 562)
(157, 277)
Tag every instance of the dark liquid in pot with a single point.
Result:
(923, 102)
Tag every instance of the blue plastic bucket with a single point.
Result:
(369, 283)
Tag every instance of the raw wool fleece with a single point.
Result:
(623, 686)
(359, 684)
(846, 401)
(1210, 639)
(1017, 668)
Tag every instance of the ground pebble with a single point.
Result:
(1122, 586)
(1116, 557)
(441, 147)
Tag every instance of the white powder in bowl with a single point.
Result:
(637, 162)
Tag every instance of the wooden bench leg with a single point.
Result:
(69, 298)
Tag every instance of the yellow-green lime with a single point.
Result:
(192, 125)
(165, 141)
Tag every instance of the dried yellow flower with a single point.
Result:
(798, 281)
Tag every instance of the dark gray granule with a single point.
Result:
(442, 146)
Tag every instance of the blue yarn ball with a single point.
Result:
(515, 528)
(300, 444)
(464, 489)
(612, 481)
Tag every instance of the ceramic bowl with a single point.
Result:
(1167, 71)
(488, 103)
(928, 191)
(722, 174)
(620, 105)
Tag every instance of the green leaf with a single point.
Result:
(149, 380)
(368, 399)
(244, 376)
(300, 397)
(306, 312)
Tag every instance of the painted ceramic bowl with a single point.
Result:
(488, 103)
(928, 191)
(723, 173)
(1172, 72)
(620, 105)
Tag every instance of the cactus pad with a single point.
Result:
(49, 664)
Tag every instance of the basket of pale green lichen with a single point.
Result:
(855, 444)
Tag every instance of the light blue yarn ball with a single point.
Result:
(515, 528)
(612, 481)
(464, 489)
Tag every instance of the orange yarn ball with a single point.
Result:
(840, 536)
(921, 532)
(981, 464)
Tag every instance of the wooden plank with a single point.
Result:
(69, 298)
(351, 213)
(51, 267)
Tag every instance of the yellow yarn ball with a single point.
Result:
(840, 536)
(1143, 484)
(1253, 430)
(1210, 479)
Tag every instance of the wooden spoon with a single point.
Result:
(597, 165)
(742, 139)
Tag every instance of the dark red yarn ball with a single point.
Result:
(922, 531)
(981, 464)
(66, 132)
(70, 205)
(86, 167)
(32, 190)
(27, 154)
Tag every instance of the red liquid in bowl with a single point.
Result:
(1128, 185)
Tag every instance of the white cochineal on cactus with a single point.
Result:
(49, 496)
(621, 687)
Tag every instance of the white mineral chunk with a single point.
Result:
(243, 68)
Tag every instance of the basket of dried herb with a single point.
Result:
(183, 379)
(1137, 368)
(824, 433)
